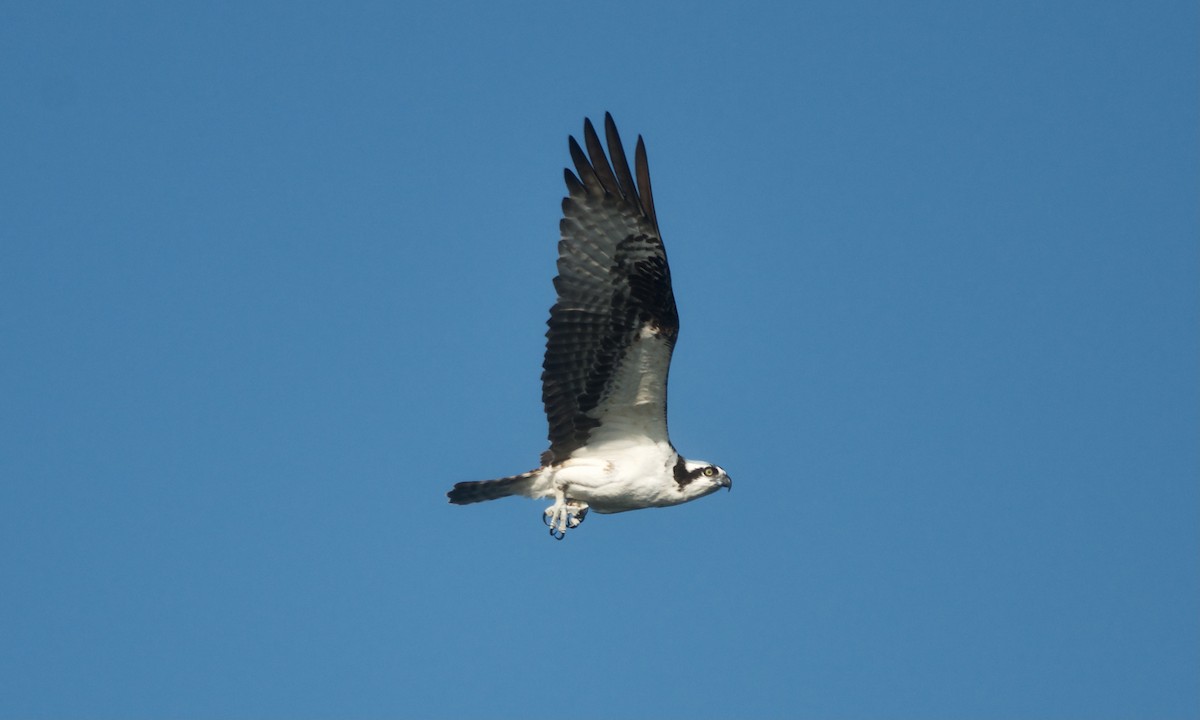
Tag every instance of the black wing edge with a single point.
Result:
(594, 175)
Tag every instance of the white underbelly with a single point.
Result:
(624, 481)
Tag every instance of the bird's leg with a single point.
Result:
(556, 515)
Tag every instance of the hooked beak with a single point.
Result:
(728, 483)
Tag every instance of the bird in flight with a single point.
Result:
(608, 351)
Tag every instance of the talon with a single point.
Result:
(558, 517)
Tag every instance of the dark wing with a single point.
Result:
(614, 325)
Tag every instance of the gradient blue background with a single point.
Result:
(273, 276)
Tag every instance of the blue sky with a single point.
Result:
(273, 276)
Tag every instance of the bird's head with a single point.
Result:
(698, 478)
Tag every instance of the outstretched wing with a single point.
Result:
(613, 328)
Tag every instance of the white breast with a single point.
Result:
(616, 477)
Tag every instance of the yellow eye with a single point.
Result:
(710, 471)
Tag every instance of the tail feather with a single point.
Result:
(465, 493)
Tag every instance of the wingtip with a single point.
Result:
(574, 147)
(610, 125)
(642, 165)
(574, 185)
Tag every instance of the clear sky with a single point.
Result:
(274, 276)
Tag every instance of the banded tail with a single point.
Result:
(465, 493)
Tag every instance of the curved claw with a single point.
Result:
(546, 520)
(557, 534)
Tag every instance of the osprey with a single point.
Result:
(608, 351)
